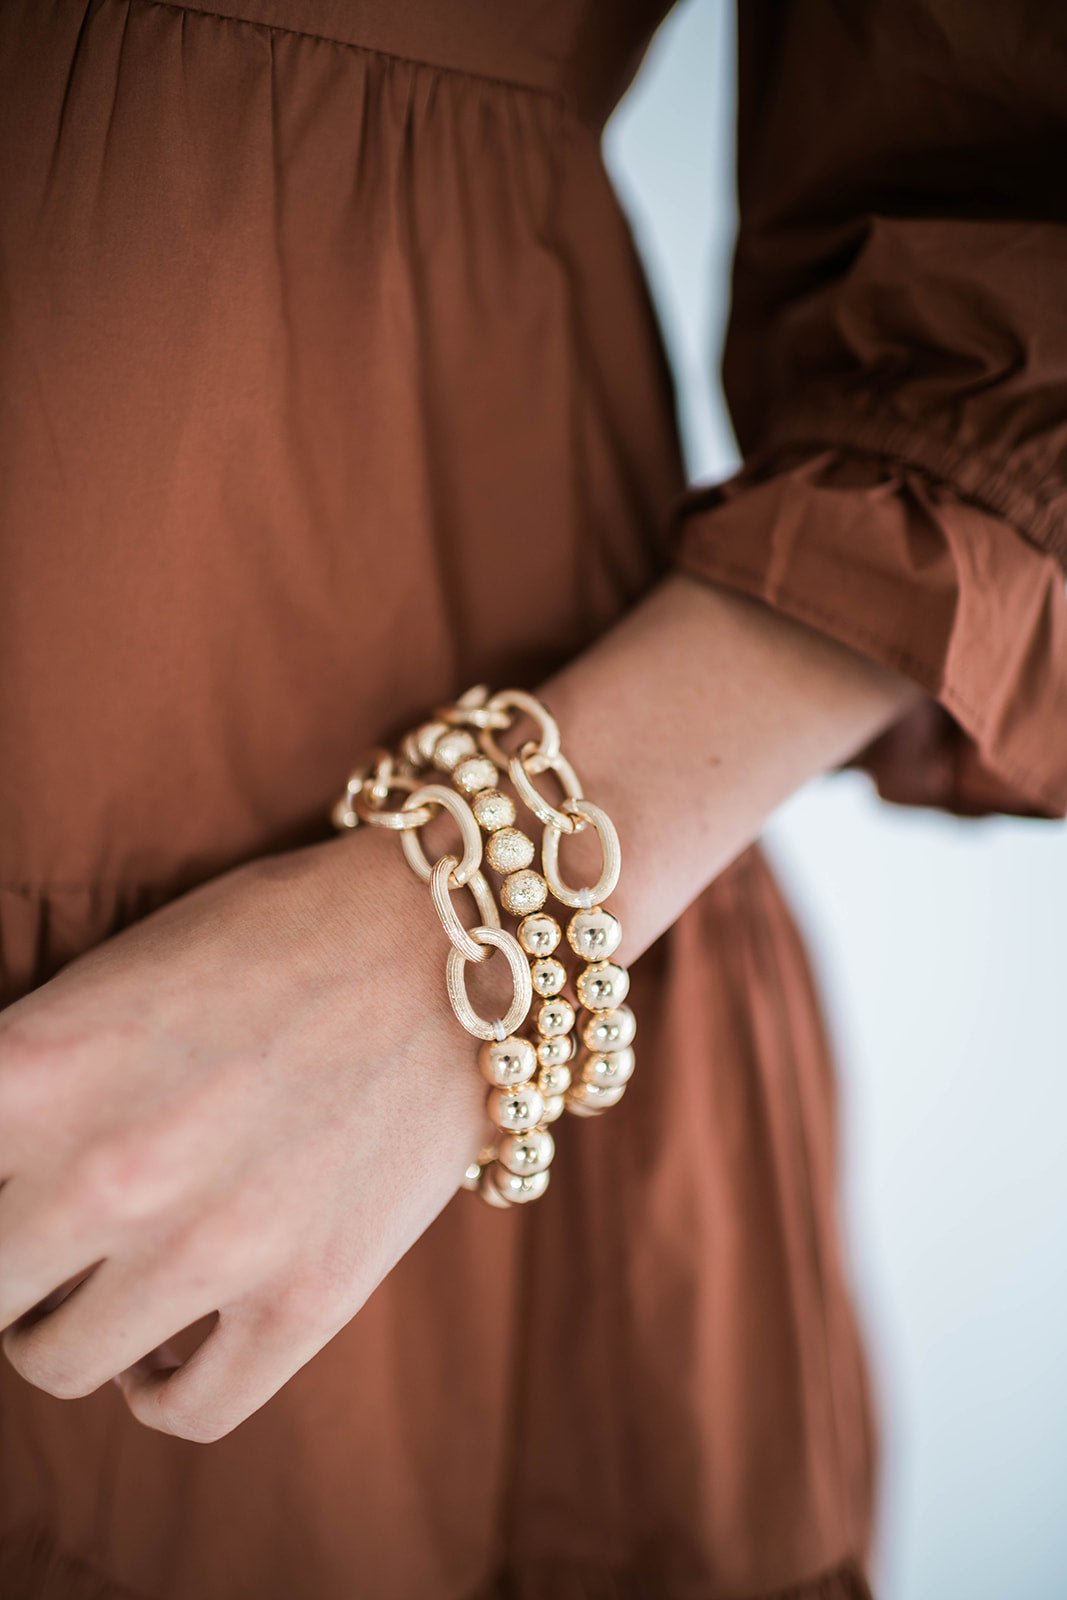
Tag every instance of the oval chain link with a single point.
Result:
(440, 893)
(583, 899)
(547, 742)
(530, 760)
(436, 794)
(522, 997)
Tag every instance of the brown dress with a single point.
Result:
(328, 385)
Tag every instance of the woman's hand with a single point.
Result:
(250, 1103)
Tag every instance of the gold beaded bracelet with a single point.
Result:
(530, 1079)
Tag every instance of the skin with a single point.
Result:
(217, 1120)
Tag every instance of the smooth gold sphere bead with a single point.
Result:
(547, 976)
(507, 1062)
(610, 1030)
(474, 773)
(509, 849)
(526, 1152)
(452, 748)
(493, 810)
(515, 1110)
(516, 1189)
(523, 891)
(587, 1099)
(555, 1051)
(540, 934)
(594, 934)
(603, 985)
(488, 1189)
(555, 1105)
(555, 1016)
(607, 1071)
(554, 1080)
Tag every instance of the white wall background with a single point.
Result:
(943, 950)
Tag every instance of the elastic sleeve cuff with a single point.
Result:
(902, 570)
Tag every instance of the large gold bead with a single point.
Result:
(515, 1110)
(516, 1189)
(555, 1016)
(540, 934)
(606, 1071)
(452, 748)
(522, 892)
(547, 976)
(488, 1190)
(603, 985)
(527, 1152)
(493, 810)
(555, 1105)
(610, 1030)
(586, 1099)
(553, 1052)
(474, 773)
(509, 849)
(554, 1080)
(507, 1062)
(594, 934)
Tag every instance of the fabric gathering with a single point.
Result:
(330, 385)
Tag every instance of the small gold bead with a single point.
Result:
(493, 810)
(526, 1152)
(556, 1051)
(540, 934)
(472, 1175)
(610, 1030)
(606, 1071)
(418, 746)
(603, 985)
(523, 891)
(515, 1110)
(555, 1016)
(594, 934)
(547, 976)
(342, 815)
(507, 1062)
(554, 1080)
(476, 772)
(488, 1189)
(452, 748)
(509, 849)
(586, 1099)
(516, 1190)
(555, 1105)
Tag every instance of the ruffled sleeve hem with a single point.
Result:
(905, 571)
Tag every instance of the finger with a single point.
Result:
(42, 1255)
(108, 1323)
(242, 1363)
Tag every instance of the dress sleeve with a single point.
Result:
(896, 368)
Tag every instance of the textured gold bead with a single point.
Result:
(452, 748)
(509, 849)
(540, 934)
(554, 1080)
(547, 976)
(493, 810)
(488, 1189)
(418, 746)
(555, 1016)
(610, 1030)
(507, 1062)
(555, 1105)
(606, 1071)
(523, 891)
(476, 772)
(586, 1099)
(518, 1190)
(603, 985)
(594, 934)
(526, 1152)
(515, 1110)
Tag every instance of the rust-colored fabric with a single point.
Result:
(329, 385)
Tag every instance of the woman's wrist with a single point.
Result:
(692, 719)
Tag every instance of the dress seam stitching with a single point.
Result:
(554, 95)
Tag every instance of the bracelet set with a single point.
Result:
(564, 988)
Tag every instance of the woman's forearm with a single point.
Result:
(691, 720)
